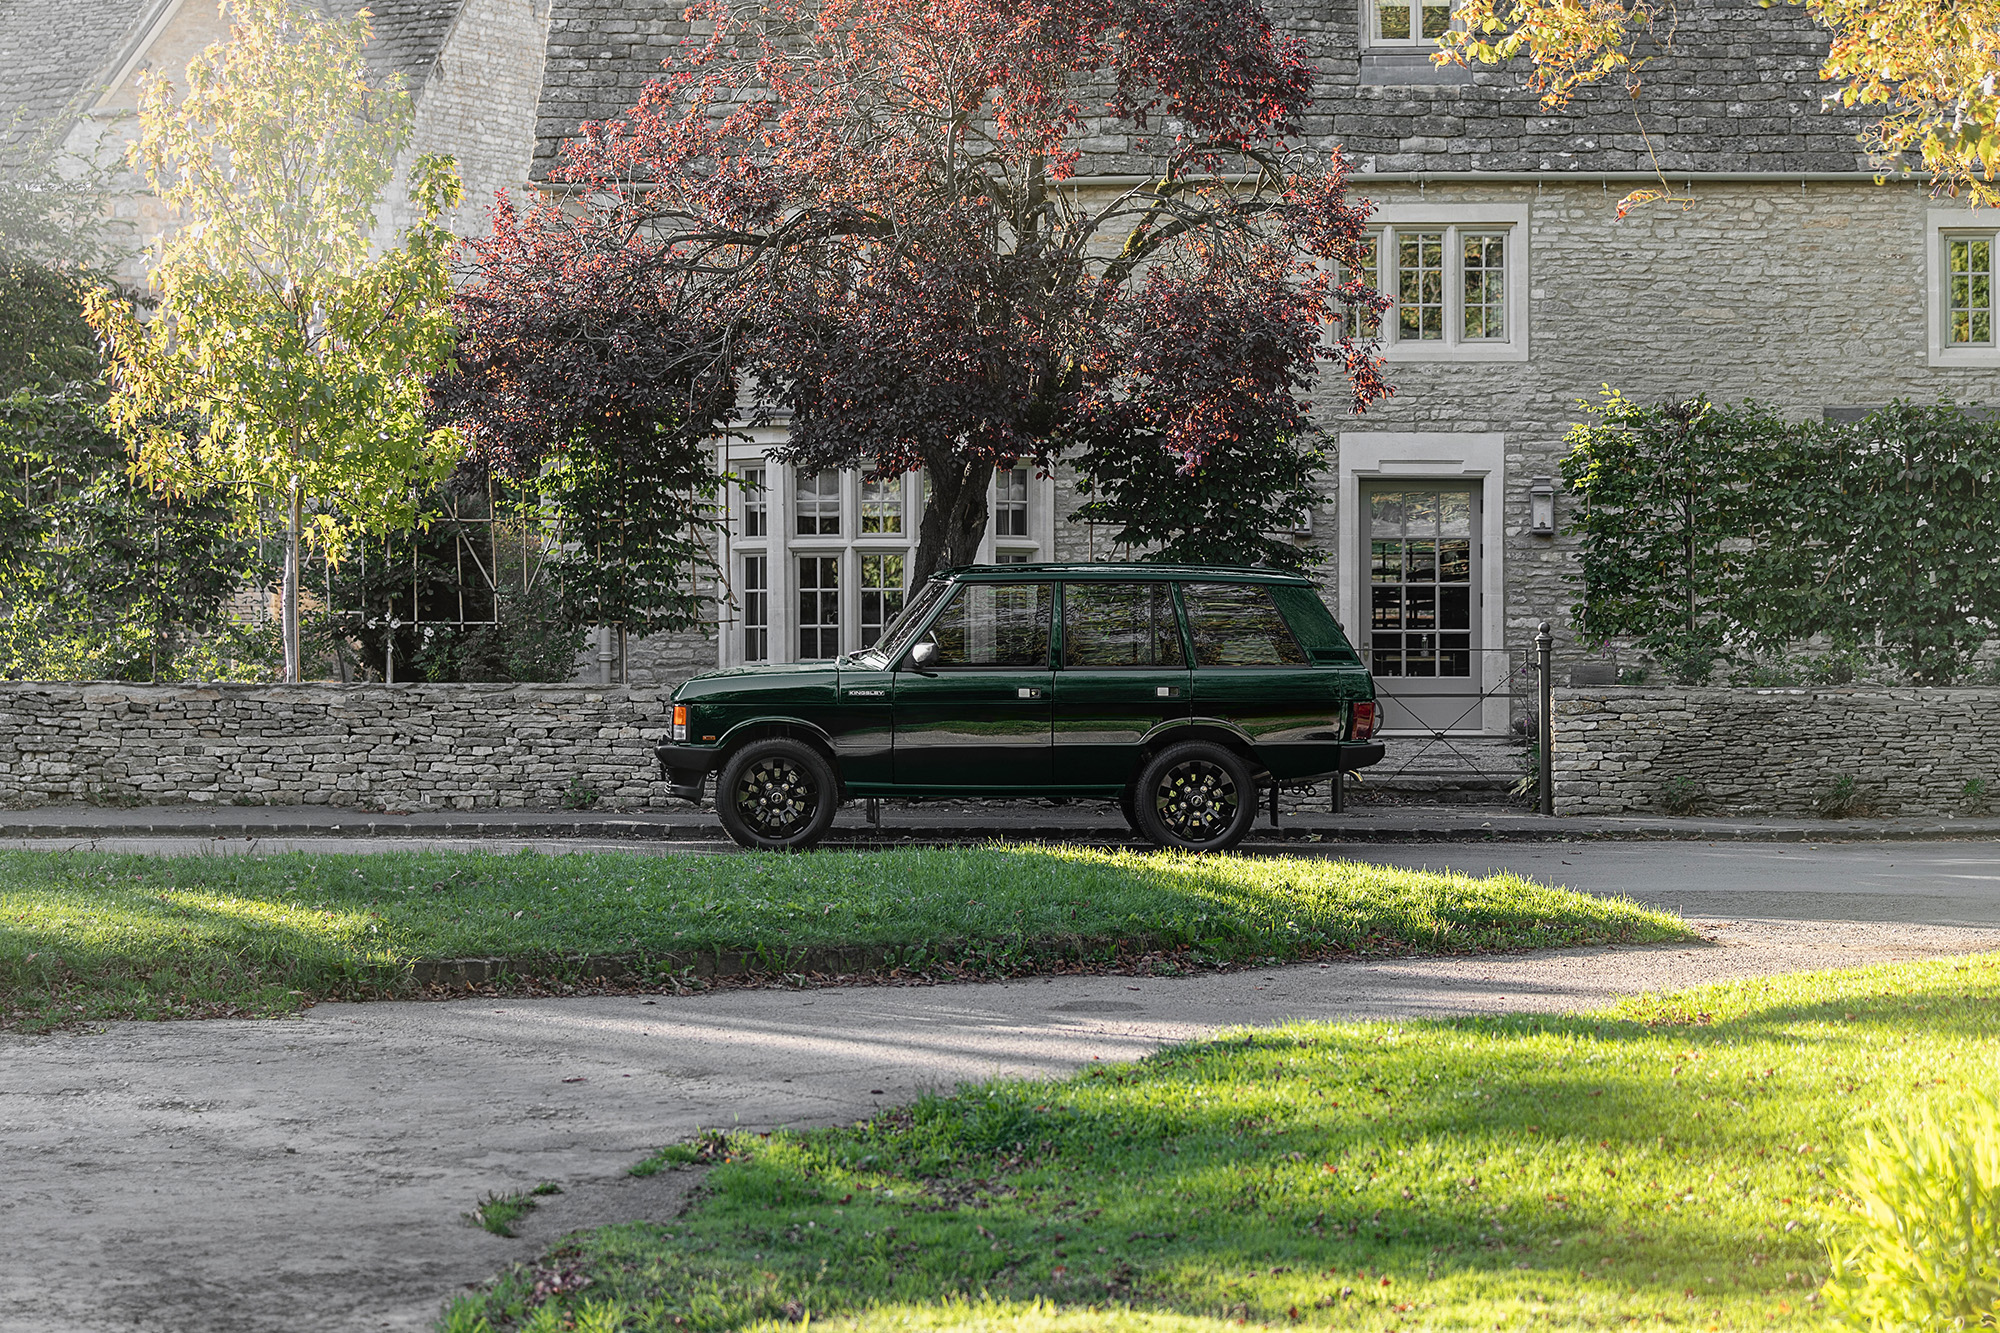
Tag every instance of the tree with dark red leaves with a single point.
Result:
(870, 220)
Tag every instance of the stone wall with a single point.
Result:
(371, 747)
(1775, 752)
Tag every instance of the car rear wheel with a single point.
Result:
(777, 796)
(1195, 796)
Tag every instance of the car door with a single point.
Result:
(1124, 673)
(1249, 670)
(976, 716)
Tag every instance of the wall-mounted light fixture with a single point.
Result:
(1542, 507)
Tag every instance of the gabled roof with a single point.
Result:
(57, 57)
(51, 55)
(1738, 92)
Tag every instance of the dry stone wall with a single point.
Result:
(1776, 752)
(370, 747)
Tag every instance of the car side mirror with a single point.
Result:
(922, 656)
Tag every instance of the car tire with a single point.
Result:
(777, 796)
(1195, 796)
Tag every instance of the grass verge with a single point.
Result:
(1664, 1163)
(91, 937)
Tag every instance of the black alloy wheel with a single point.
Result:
(1196, 796)
(777, 795)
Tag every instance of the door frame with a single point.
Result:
(1463, 458)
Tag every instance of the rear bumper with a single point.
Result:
(685, 767)
(1315, 759)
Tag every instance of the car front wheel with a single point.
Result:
(1195, 796)
(777, 796)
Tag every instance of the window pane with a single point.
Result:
(1969, 292)
(1386, 562)
(1392, 20)
(994, 625)
(1387, 609)
(1437, 17)
(1386, 654)
(817, 503)
(756, 608)
(819, 606)
(1484, 258)
(882, 505)
(881, 594)
(755, 516)
(1120, 625)
(1010, 502)
(1455, 607)
(1454, 560)
(1237, 624)
(1420, 285)
(1359, 321)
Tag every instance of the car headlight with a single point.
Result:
(679, 730)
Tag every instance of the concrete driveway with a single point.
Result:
(311, 1173)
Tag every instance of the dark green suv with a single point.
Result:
(1181, 691)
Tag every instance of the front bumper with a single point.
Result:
(1316, 759)
(684, 767)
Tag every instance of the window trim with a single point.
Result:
(1413, 44)
(1509, 219)
(1940, 226)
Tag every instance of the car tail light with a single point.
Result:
(1364, 722)
(680, 728)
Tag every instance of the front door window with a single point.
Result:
(1422, 604)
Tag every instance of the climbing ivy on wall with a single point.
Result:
(1710, 532)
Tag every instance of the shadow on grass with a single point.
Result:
(1577, 1171)
(83, 929)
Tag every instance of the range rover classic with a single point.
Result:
(1182, 692)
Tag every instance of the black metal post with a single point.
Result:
(1274, 805)
(1545, 778)
(1339, 793)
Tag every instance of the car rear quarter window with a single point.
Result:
(1313, 625)
(1238, 625)
(1121, 625)
(994, 625)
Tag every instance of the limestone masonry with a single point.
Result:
(403, 747)
(1776, 752)
(466, 747)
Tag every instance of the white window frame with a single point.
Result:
(1441, 456)
(1415, 42)
(1453, 220)
(1942, 225)
(783, 545)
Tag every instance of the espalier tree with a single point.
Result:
(299, 346)
(868, 215)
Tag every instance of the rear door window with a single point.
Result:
(1238, 625)
(1121, 625)
(994, 625)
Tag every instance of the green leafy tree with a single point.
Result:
(300, 346)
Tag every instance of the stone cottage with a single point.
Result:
(1778, 268)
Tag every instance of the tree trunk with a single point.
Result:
(955, 515)
(294, 664)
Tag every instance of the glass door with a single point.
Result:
(1422, 556)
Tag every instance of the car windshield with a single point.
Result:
(896, 633)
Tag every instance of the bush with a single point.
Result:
(1715, 531)
(1928, 1196)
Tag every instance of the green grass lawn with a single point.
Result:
(90, 937)
(1665, 1163)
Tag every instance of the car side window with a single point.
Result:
(1238, 625)
(1121, 625)
(994, 625)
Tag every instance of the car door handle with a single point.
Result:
(1027, 692)
(1168, 691)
